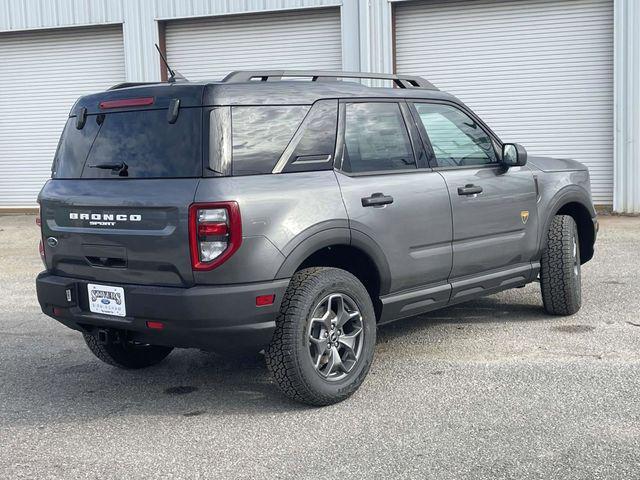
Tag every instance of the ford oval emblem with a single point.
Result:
(105, 301)
(52, 241)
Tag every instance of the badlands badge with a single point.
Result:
(524, 216)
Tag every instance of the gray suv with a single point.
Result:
(266, 212)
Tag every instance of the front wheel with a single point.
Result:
(325, 337)
(560, 276)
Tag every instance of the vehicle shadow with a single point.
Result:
(489, 309)
(70, 384)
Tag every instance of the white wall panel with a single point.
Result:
(539, 73)
(34, 14)
(209, 48)
(43, 74)
(627, 107)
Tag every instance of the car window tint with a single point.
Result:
(260, 135)
(319, 137)
(376, 138)
(457, 139)
(143, 141)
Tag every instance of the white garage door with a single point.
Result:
(539, 72)
(210, 48)
(42, 75)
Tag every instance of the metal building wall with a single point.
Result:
(367, 45)
(626, 91)
(140, 19)
(377, 49)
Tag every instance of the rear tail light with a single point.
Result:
(215, 233)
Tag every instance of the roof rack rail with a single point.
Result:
(401, 81)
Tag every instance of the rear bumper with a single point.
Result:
(207, 317)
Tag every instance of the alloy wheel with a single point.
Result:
(335, 336)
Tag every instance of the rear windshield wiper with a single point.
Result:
(121, 168)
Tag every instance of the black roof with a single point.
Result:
(242, 88)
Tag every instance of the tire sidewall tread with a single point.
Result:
(561, 288)
(287, 356)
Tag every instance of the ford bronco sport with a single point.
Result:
(294, 216)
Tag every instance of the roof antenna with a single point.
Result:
(174, 75)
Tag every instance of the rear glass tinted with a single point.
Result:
(319, 137)
(260, 135)
(142, 141)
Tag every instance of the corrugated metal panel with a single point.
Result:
(627, 107)
(142, 63)
(43, 73)
(212, 47)
(167, 9)
(376, 38)
(539, 73)
(33, 14)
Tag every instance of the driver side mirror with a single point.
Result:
(513, 155)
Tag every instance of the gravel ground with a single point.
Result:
(490, 389)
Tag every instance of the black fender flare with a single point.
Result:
(568, 194)
(337, 236)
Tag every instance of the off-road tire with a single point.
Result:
(127, 356)
(288, 357)
(560, 280)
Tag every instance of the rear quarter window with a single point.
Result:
(260, 135)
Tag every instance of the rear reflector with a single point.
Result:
(155, 325)
(264, 300)
(127, 102)
(41, 251)
(57, 311)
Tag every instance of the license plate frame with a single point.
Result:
(106, 300)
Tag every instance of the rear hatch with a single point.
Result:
(125, 172)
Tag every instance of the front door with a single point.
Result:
(394, 199)
(495, 223)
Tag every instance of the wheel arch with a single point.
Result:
(576, 203)
(349, 250)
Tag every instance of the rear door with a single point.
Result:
(495, 221)
(116, 208)
(395, 200)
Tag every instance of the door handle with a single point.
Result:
(469, 190)
(376, 200)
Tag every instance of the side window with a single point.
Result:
(457, 140)
(376, 138)
(313, 145)
(260, 135)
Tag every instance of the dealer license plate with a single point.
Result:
(106, 300)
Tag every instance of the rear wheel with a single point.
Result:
(127, 355)
(325, 337)
(560, 280)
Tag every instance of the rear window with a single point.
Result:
(139, 144)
